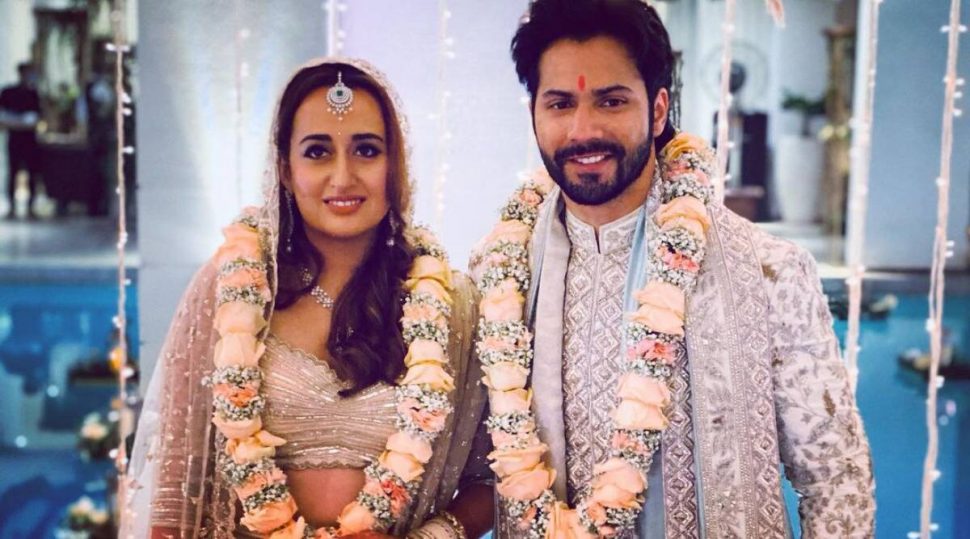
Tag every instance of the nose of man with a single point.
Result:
(584, 124)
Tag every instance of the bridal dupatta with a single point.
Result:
(173, 480)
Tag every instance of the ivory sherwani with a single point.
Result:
(592, 365)
(761, 390)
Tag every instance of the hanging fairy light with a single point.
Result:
(724, 144)
(119, 47)
(530, 151)
(446, 53)
(335, 33)
(242, 73)
(860, 153)
(942, 250)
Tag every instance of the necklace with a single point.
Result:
(317, 293)
(322, 297)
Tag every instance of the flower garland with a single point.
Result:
(247, 460)
(654, 334)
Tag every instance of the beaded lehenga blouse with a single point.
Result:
(321, 428)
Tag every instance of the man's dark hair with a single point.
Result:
(631, 22)
(24, 67)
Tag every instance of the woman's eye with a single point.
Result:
(368, 150)
(315, 151)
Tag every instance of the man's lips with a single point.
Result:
(590, 161)
(590, 158)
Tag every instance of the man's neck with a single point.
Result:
(632, 198)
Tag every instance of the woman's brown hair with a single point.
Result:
(365, 342)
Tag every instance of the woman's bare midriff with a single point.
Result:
(322, 494)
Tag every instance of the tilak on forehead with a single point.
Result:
(581, 83)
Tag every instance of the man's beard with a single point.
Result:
(592, 189)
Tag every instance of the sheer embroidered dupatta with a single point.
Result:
(173, 480)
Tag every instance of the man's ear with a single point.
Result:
(661, 108)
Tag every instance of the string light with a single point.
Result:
(941, 246)
(861, 153)
(529, 134)
(242, 73)
(724, 144)
(446, 52)
(723, 122)
(335, 33)
(120, 47)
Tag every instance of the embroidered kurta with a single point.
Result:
(592, 336)
(761, 388)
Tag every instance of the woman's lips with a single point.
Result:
(344, 205)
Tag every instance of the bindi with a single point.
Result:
(581, 83)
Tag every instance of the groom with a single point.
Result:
(682, 358)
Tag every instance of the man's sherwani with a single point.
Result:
(762, 389)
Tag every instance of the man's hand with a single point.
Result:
(370, 535)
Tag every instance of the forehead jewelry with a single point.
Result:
(340, 98)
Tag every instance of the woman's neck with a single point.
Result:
(341, 258)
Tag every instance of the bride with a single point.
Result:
(318, 378)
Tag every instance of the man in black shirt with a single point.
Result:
(19, 112)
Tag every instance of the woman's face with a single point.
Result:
(338, 169)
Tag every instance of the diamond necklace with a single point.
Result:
(322, 297)
(318, 294)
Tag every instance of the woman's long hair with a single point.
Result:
(365, 342)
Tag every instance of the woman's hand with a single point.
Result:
(369, 535)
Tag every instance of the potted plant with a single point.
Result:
(800, 162)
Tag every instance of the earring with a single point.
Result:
(392, 222)
(288, 196)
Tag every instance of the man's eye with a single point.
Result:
(560, 105)
(612, 102)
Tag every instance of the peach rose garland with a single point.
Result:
(654, 334)
(423, 405)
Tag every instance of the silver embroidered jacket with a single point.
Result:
(762, 390)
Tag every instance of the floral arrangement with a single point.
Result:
(653, 336)
(423, 405)
(84, 520)
(97, 436)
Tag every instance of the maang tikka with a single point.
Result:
(340, 98)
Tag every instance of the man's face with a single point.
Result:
(592, 118)
(28, 77)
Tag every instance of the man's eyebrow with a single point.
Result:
(616, 88)
(556, 93)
